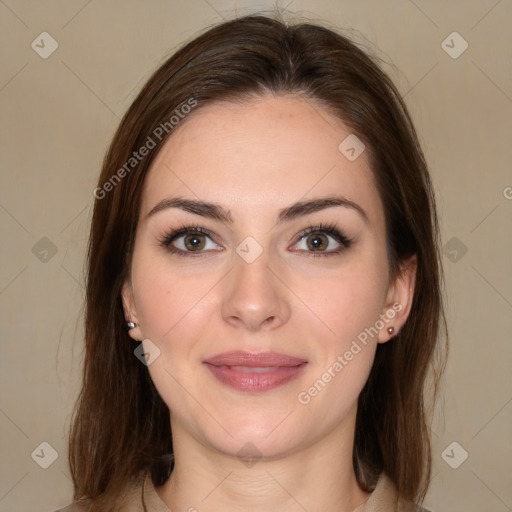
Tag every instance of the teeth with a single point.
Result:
(254, 369)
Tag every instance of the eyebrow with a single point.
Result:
(217, 212)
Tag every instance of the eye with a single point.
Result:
(189, 240)
(322, 240)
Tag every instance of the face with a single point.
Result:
(260, 275)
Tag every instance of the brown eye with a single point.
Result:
(191, 241)
(317, 242)
(322, 240)
(194, 241)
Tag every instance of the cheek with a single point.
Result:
(354, 306)
(343, 337)
(168, 300)
(343, 357)
(173, 311)
(345, 301)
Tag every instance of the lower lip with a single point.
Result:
(253, 381)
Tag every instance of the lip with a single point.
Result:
(255, 372)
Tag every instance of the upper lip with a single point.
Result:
(262, 359)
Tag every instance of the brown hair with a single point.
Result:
(120, 426)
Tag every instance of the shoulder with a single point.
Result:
(385, 498)
(128, 501)
(75, 507)
(412, 507)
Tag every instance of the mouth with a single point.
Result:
(248, 372)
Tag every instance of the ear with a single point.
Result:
(130, 311)
(399, 300)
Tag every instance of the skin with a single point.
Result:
(254, 160)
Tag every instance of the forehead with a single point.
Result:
(263, 154)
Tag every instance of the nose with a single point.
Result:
(254, 296)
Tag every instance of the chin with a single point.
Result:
(250, 446)
(254, 434)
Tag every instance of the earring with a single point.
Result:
(130, 326)
(391, 330)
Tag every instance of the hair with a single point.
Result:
(120, 426)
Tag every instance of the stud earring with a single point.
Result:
(130, 326)
(391, 330)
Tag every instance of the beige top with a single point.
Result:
(144, 498)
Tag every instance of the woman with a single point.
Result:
(265, 230)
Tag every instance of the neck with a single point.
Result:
(318, 477)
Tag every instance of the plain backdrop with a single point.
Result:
(59, 111)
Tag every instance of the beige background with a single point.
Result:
(59, 113)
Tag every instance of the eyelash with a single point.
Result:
(329, 229)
